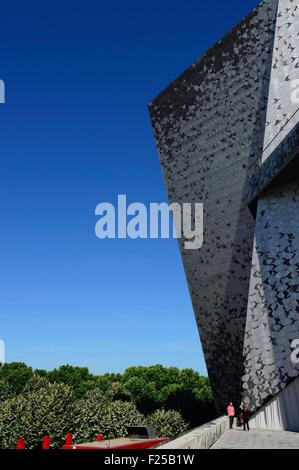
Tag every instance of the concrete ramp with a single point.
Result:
(257, 439)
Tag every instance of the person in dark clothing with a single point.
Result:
(240, 416)
(245, 414)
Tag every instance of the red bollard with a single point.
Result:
(68, 439)
(46, 443)
(21, 443)
(99, 437)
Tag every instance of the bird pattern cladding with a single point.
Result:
(209, 127)
(272, 325)
(212, 126)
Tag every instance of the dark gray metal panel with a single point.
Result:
(209, 126)
(265, 175)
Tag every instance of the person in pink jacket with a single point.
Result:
(231, 414)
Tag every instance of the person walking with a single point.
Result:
(231, 414)
(246, 413)
(240, 416)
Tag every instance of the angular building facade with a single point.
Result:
(227, 133)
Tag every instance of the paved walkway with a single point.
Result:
(257, 439)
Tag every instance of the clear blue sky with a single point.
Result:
(75, 132)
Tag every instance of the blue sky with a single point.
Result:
(75, 132)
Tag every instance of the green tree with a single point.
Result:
(16, 374)
(47, 410)
(33, 403)
(106, 381)
(35, 383)
(88, 414)
(157, 374)
(167, 423)
(6, 391)
(97, 414)
(118, 416)
(144, 394)
(117, 391)
(78, 378)
(12, 421)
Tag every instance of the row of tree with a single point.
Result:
(71, 399)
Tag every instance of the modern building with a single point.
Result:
(227, 133)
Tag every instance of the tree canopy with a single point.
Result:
(71, 399)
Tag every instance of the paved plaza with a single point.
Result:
(257, 439)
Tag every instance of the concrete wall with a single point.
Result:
(282, 412)
(201, 438)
